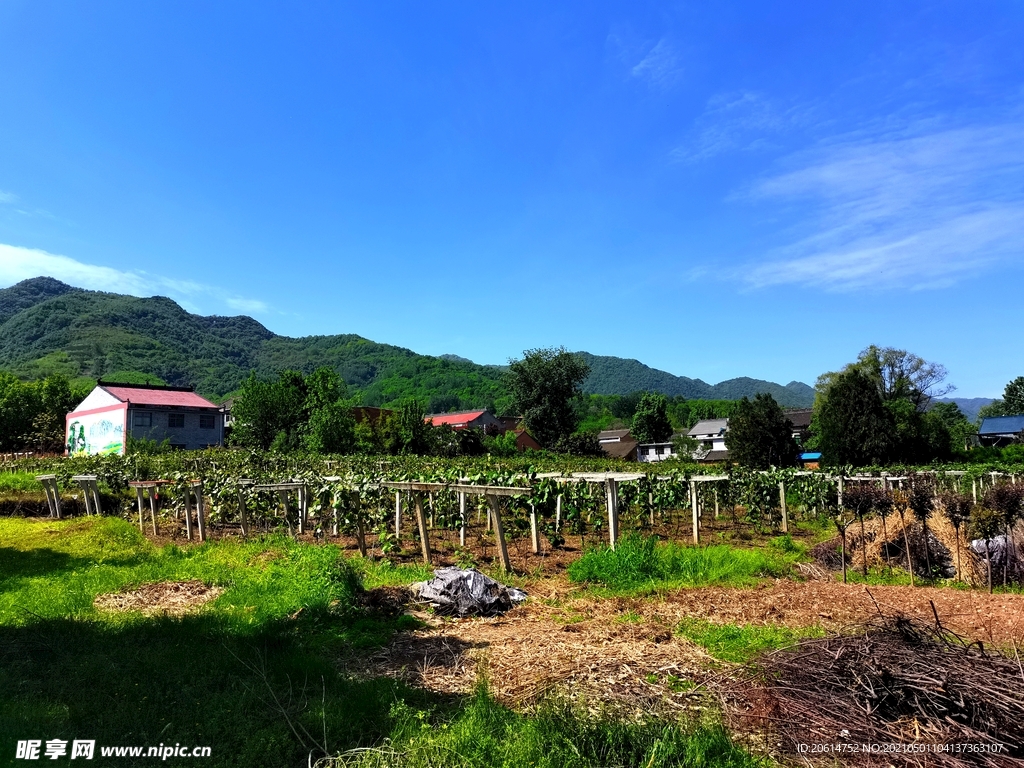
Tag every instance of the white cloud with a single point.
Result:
(249, 306)
(8, 197)
(917, 209)
(659, 66)
(17, 264)
(741, 121)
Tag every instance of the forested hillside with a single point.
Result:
(618, 376)
(49, 327)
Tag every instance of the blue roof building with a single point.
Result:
(1001, 430)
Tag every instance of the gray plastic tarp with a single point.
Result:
(467, 592)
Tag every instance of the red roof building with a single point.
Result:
(113, 412)
(481, 419)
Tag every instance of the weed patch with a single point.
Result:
(484, 733)
(730, 642)
(639, 561)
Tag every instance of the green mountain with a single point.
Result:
(619, 376)
(47, 326)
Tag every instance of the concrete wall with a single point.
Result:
(189, 437)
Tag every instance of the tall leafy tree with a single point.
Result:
(1013, 396)
(650, 420)
(270, 414)
(854, 426)
(906, 385)
(546, 387)
(760, 435)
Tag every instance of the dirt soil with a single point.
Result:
(166, 598)
(623, 652)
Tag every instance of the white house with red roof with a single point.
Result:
(481, 419)
(112, 412)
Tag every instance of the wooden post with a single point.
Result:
(335, 516)
(716, 503)
(430, 502)
(558, 512)
(301, 503)
(499, 531)
(360, 536)
(421, 521)
(283, 495)
(696, 514)
(200, 510)
(138, 498)
(188, 511)
(152, 507)
(398, 514)
(650, 507)
(534, 532)
(241, 512)
(974, 489)
(839, 495)
(56, 497)
(462, 518)
(85, 495)
(612, 492)
(782, 504)
(96, 497)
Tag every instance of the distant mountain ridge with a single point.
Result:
(48, 326)
(620, 376)
(969, 406)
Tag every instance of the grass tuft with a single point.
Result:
(485, 733)
(639, 561)
(730, 642)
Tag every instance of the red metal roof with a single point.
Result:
(147, 396)
(455, 418)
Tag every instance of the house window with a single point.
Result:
(175, 420)
(661, 450)
(142, 419)
(206, 421)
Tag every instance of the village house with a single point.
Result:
(710, 434)
(618, 444)
(650, 452)
(1000, 431)
(113, 412)
(800, 418)
(480, 419)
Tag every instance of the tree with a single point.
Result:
(650, 420)
(946, 423)
(854, 426)
(1013, 396)
(546, 387)
(760, 435)
(906, 385)
(899, 374)
(269, 414)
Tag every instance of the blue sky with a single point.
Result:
(716, 189)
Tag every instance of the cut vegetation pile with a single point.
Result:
(900, 681)
(174, 598)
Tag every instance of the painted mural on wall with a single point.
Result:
(96, 433)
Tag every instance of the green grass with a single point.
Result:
(229, 677)
(638, 562)
(730, 642)
(484, 733)
(19, 482)
(259, 673)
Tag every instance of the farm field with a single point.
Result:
(290, 636)
(272, 650)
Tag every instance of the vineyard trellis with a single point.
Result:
(588, 498)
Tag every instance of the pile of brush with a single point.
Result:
(896, 681)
